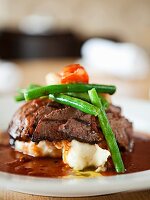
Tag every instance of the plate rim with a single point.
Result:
(69, 184)
(73, 187)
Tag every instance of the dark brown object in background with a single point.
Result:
(16, 45)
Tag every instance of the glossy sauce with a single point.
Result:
(17, 163)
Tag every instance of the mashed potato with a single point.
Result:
(83, 155)
(42, 149)
(76, 154)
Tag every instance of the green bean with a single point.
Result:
(76, 103)
(85, 97)
(20, 96)
(33, 85)
(64, 88)
(107, 131)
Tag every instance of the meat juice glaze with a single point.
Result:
(18, 163)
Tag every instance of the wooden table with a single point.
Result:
(35, 71)
(141, 195)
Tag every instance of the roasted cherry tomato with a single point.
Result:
(74, 73)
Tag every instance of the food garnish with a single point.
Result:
(74, 73)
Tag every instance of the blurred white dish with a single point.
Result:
(10, 77)
(137, 111)
(123, 60)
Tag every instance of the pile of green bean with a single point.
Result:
(84, 97)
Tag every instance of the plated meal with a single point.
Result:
(70, 127)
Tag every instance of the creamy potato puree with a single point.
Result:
(76, 154)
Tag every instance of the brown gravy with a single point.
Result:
(17, 163)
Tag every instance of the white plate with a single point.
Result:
(136, 110)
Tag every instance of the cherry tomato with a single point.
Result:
(74, 73)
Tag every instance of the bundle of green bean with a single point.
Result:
(34, 91)
(85, 97)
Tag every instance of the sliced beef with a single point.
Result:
(47, 130)
(67, 124)
(26, 118)
(82, 129)
(122, 129)
(43, 119)
(63, 114)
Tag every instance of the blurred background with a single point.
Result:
(110, 38)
